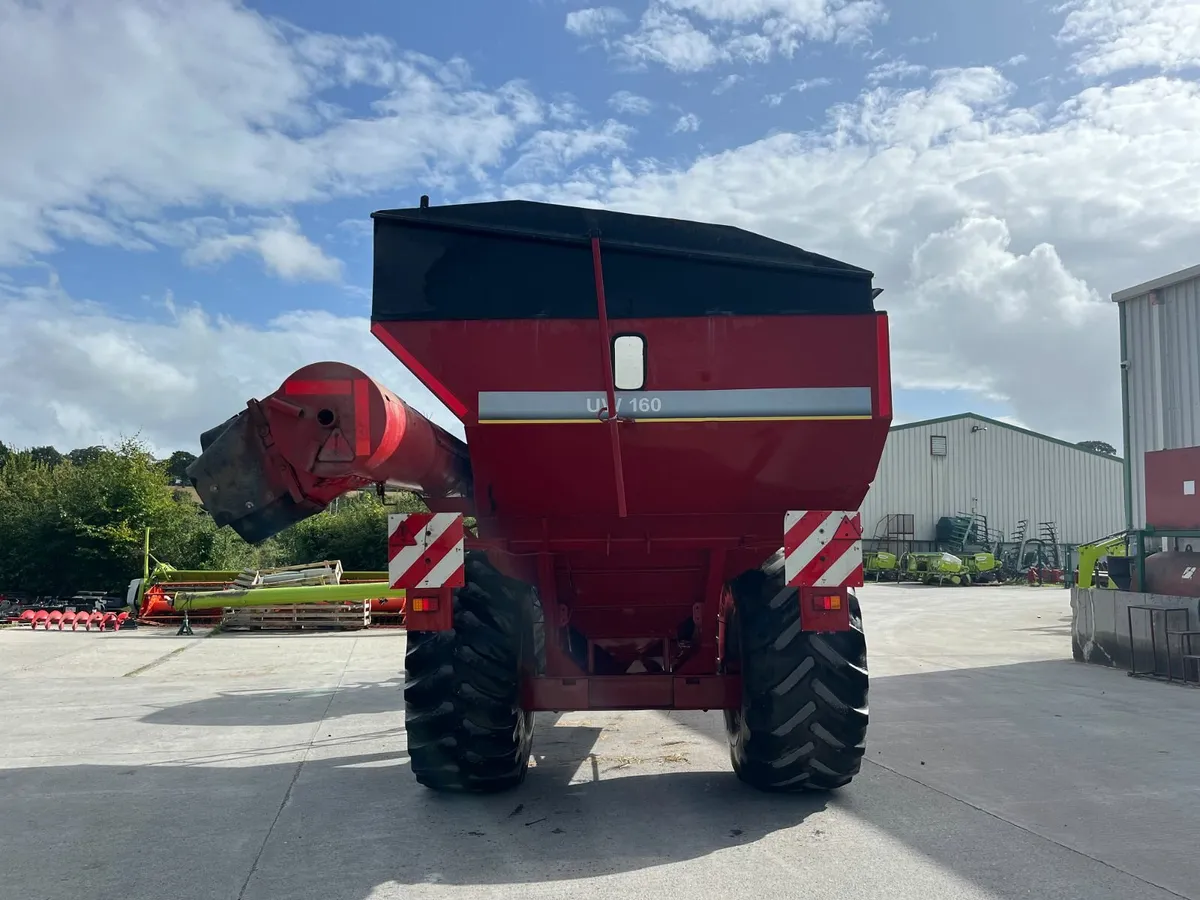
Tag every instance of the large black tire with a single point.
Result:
(466, 729)
(803, 720)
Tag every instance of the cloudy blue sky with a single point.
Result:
(185, 187)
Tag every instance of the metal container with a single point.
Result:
(1175, 573)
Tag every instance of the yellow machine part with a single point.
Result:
(1090, 554)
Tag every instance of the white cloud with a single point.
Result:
(1115, 35)
(284, 250)
(79, 225)
(81, 376)
(595, 21)
(565, 110)
(799, 87)
(117, 112)
(691, 35)
(808, 84)
(630, 103)
(967, 286)
(549, 152)
(822, 20)
(685, 123)
(895, 70)
(671, 40)
(726, 83)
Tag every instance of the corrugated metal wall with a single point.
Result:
(1162, 346)
(1003, 473)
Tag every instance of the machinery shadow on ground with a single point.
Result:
(267, 708)
(351, 823)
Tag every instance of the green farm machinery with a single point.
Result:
(938, 567)
(881, 565)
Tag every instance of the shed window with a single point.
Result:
(937, 445)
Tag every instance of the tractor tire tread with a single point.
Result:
(466, 729)
(804, 715)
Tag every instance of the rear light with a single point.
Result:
(423, 604)
(827, 602)
(824, 610)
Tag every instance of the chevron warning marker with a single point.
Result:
(426, 550)
(822, 548)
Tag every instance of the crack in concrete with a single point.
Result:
(1089, 642)
(155, 663)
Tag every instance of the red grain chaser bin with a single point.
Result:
(670, 427)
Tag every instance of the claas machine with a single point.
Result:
(669, 428)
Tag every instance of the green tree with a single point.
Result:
(204, 546)
(47, 455)
(1098, 447)
(108, 503)
(354, 531)
(36, 545)
(178, 462)
(81, 526)
(85, 455)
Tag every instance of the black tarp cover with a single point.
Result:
(516, 259)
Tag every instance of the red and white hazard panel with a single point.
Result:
(822, 548)
(425, 550)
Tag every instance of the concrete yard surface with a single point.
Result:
(145, 766)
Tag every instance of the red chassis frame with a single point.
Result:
(567, 686)
(693, 676)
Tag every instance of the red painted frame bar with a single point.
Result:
(610, 390)
(883, 355)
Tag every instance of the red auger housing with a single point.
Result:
(751, 386)
(329, 429)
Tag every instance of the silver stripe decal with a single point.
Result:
(715, 404)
